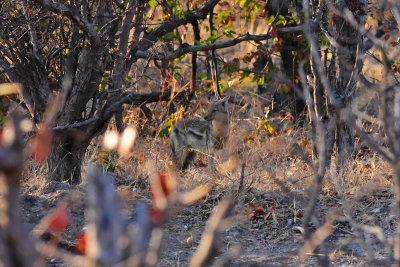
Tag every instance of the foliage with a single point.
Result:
(87, 57)
(170, 123)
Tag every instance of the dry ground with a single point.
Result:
(266, 225)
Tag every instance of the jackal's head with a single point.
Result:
(218, 110)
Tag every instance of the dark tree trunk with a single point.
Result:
(344, 143)
(289, 68)
(66, 160)
(93, 44)
(350, 42)
(346, 59)
(261, 62)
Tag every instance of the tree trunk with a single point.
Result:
(344, 143)
(289, 68)
(350, 42)
(348, 63)
(261, 62)
(326, 137)
(76, 62)
(66, 160)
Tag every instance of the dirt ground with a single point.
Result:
(266, 226)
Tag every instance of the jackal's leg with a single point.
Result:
(180, 155)
(179, 159)
(189, 159)
(176, 153)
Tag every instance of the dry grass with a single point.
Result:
(277, 176)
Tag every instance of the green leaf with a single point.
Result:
(202, 76)
(164, 132)
(222, 18)
(255, 78)
(211, 39)
(281, 19)
(153, 3)
(181, 14)
(180, 59)
(102, 87)
(270, 20)
(222, 87)
(255, 8)
(170, 36)
(228, 32)
(178, 76)
(172, 67)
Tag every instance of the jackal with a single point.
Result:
(197, 135)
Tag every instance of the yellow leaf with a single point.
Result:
(271, 19)
(284, 89)
(274, 218)
(10, 88)
(262, 125)
(270, 129)
(332, 255)
(303, 144)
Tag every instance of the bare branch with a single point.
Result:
(103, 203)
(16, 245)
(73, 15)
(207, 247)
(119, 64)
(345, 115)
(205, 47)
(173, 23)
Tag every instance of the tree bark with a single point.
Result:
(350, 45)
(66, 159)
(79, 63)
(31, 73)
(289, 68)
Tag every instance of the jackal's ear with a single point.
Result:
(225, 100)
(213, 98)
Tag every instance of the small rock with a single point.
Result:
(233, 232)
(377, 210)
(189, 240)
(298, 229)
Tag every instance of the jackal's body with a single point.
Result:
(197, 135)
